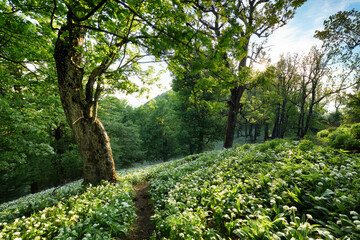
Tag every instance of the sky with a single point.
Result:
(296, 36)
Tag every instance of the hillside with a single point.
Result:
(276, 190)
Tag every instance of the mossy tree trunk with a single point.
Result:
(80, 104)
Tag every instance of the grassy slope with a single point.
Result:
(276, 190)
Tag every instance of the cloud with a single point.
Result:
(298, 34)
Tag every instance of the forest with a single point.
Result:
(240, 147)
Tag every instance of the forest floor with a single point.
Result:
(143, 228)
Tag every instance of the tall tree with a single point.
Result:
(286, 76)
(158, 127)
(341, 36)
(96, 43)
(312, 72)
(218, 36)
(117, 118)
(199, 110)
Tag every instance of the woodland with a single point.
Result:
(228, 123)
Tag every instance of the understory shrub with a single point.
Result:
(323, 133)
(344, 138)
(355, 130)
(306, 145)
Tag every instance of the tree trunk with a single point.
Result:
(251, 132)
(311, 109)
(34, 187)
(246, 129)
(238, 130)
(275, 132)
(256, 134)
(301, 123)
(58, 134)
(301, 115)
(266, 131)
(234, 106)
(283, 119)
(80, 110)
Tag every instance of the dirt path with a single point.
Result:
(142, 228)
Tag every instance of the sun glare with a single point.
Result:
(261, 67)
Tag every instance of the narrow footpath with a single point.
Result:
(143, 228)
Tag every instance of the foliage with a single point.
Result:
(277, 190)
(33, 137)
(341, 36)
(26, 205)
(355, 130)
(94, 44)
(36, 149)
(344, 137)
(79, 215)
(335, 118)
(197, 107)
(260, 193)
(118, 119)
(75, 211)
(352, 108)
(158, 126)
(323, 133)
(218, 45)
(341, 39)
(293, 96)
(306, 145)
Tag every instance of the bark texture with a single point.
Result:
(80, 108)
(234, 107)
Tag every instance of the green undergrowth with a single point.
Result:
(275, 190)
(105, 211)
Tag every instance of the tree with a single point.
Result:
(117, 117)
(158, 126)
(29, 106)
(218, 37)
(198, 109)
(352, 108)
(286, 76)
(96, 43)
(256, 104)
(341, 36)
(312, 71)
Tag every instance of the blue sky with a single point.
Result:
(297, 35)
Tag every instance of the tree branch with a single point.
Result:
(153, 26)
(93, 11)
(21, 64)
(52, 17)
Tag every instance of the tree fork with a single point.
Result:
(90, 135)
